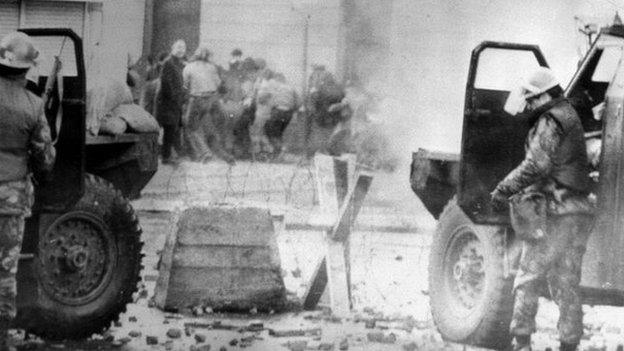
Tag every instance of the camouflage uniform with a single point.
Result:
(25, 147)
(555, 166)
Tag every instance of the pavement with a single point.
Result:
(389, 252)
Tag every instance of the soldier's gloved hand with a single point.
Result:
(499, 200)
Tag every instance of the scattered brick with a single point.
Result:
(151, 340)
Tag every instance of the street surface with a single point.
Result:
(389, 253)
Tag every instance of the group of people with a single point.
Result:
(206, 110)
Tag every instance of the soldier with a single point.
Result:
(25, 147)
(550, 210)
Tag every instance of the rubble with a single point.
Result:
(151, 340)
(297, 345)
(326, 346)
(382, 338)
(197, 311)
(294, 332)
(125, 340)
(174, 333)
(412, 346)
(255, 326)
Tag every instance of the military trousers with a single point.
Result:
(11, 235)
(556, 259)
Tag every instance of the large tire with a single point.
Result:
(471, 299)
(104, 237)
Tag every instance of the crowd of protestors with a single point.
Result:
(239, 112)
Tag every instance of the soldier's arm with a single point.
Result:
(42, 151)
(538, 161)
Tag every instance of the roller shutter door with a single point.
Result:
(54, 14)
(9, 16)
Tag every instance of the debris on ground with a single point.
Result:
(197, 311)
(151, 340)
(174, 333)
(294, 332)
(412, 346)
(200, 338)
(296, 345)
(326, 346)
(382, 338)
(255, 326)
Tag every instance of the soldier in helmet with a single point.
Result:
(550, 209)
(25, 148)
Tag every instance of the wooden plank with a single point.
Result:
(324, 175)
(166, 263)
(337, 278)
(334, 269)
(351, 207)
(317, 285)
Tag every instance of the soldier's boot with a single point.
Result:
(568, 347)
(5, 342)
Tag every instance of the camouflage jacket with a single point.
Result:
(25, 146)
(553, 148)
(16, 197)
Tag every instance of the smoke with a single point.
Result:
(415, 55)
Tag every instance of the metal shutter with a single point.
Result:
(54, 14)
(9, 16)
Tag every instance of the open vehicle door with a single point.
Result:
(65, 111)
(492, 139)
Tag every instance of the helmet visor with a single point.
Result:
(516, 101)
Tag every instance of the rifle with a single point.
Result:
(51, 82)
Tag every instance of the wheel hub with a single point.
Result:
(76, 257)
(466, 268)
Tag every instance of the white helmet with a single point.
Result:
(539, 82)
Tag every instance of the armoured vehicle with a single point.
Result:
(474, 254)
(81, 257)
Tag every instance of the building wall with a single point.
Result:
(111, 33)
(274, 30)
(173, 20)
(117, 35)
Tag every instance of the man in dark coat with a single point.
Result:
(553, 177)
(170, 101)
